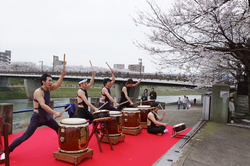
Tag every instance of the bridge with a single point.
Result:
(31, 80)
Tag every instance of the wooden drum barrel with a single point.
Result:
(179, 127)
(101, 114)
(144, 109)
(131, 118)
(115, 128)
(73, 135)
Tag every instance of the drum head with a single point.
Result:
(100, 111)
(113, 113)
(73, 121)
(144, 107)
(130, 109)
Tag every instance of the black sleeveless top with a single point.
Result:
(83, 103)
(105, 98)
(44, 115)
(152, 123)
(123, 98)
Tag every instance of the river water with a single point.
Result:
(22, 104)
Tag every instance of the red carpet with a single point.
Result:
(143, 149)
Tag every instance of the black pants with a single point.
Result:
(156, 129)
(84, 113)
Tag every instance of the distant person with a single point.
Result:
(184, 101)
(144, 96)
(82, 100)
(125, 94)
(231, 108)
(106, 94)
(194, 101)
(188, 103)
(152, 94)
(179, 103)
(153, 126)
(42, 113)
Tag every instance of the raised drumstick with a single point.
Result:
(64, 62)
(142, 77)
(64, 110)
(109, 66)
(103, 105)
(161, 106)
(91, 65)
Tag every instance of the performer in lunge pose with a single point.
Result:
(125, 94)
(152, 121)
(42, 113)
(106, 94)
(82, 99)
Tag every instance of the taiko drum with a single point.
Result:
(144, 109)
(131, 118)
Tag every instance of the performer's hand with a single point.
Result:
(165, 124)
(57, 115)
(63, 73)
(131, 103)
(164, 112)
(117, 105)
(96, 109)
(93, 73)
(112, 71)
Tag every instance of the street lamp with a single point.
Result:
(41, 65)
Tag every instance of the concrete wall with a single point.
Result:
(219, 103)
(30, 86)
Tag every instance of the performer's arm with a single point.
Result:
(59, 81)
(152, 118)
(38, 95)
(91, 81)
(124, 89)
(162, 117)
(105, 91)
(83, 97)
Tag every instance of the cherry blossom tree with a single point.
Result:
(206, 37)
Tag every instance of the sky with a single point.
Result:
(99, 31)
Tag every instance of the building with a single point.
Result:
(5, 56)
(57, 62)
(136, 67)
(119, 66)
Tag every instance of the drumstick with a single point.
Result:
(102, 105)
(142, 77)
(64, 62)
(138, 102)
(170, 120)
(109, 66)
(91, 65)
(123, 102)
(64, 110)
(161, 106)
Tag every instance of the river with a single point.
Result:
(22, 104)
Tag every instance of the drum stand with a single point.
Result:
(177, 135)
(133, 131)
(113, 139)
(143, 125)
(103, 128)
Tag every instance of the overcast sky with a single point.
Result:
(97, 30)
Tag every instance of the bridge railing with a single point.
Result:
(107, 74)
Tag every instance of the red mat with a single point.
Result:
(143, 149)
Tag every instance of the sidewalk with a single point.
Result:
(215, 144)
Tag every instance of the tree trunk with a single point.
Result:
(248, 86)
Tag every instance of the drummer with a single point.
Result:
(82, 100)
(106, 94)
(42, 113)
(152, 121)
(125, 94)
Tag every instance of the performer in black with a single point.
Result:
(152, 121)
(125, 94)
(82, 99)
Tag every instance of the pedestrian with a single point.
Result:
(42, 113)
(184, 101)
(231, 108)
(179, 103)
(152, 94)
(125, 94)
(144, 96)
(188, 103)
(194, 101)
(82, 100)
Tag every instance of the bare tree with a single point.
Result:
(209, 37)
